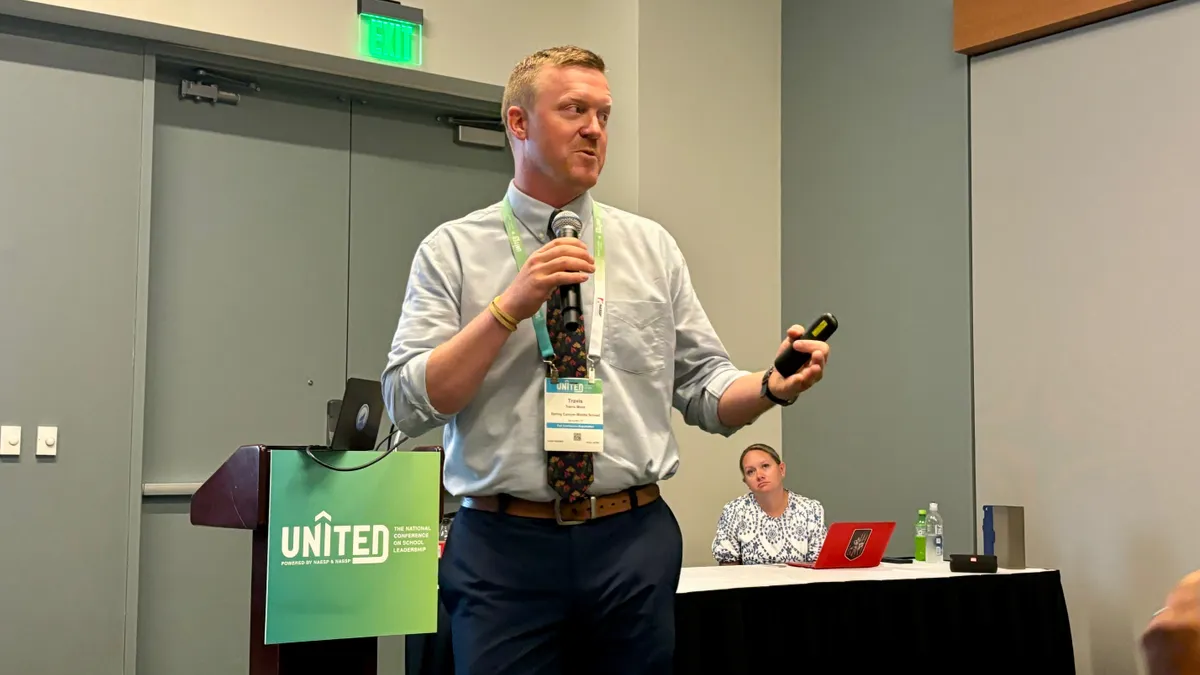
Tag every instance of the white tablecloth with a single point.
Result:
(712, 578)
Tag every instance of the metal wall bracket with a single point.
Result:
(391, 9)
(484, 132)
(201, 90)
(207, 93)
(169, 489)
(485, 138)
(333, 408)
(493, 123)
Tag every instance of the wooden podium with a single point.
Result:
(237, 496)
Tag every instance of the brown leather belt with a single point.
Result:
(567, 514)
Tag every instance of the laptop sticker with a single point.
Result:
(858, 544)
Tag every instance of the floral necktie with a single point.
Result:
(569, 473)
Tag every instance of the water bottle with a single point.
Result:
(933, 535)
(919, 547)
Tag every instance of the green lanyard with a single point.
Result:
(596, 326)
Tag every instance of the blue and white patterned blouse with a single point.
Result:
(746, 534)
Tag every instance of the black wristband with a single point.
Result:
(766, 391)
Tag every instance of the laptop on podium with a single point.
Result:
(358, 416)
(852, 545)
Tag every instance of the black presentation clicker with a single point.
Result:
(790, 363)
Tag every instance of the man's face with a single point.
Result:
(567, 129)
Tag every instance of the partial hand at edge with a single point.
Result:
(1171, 642)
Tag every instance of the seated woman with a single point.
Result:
(770, 524)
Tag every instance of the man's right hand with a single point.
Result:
(558, 263)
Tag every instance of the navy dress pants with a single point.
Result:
(527, 596)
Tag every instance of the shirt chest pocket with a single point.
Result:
(635, 335)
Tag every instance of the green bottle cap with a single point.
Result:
(920, 512)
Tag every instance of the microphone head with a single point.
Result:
(566, 224)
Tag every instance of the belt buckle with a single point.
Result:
(558, 512)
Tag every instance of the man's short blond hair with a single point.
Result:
(522, 83)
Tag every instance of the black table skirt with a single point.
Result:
(992, 623)
(1001, 623)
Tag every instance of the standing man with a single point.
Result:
(564, 557)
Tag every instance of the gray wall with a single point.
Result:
(875, 230)
(70, 181)
(725, 221)
(260, 308)
(247, 304)
(230, 263)
(137, 324)
(904, 391)
(1084, 165)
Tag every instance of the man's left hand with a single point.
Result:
(791, 387)
(1172, 640)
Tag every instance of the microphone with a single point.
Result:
(567, 224)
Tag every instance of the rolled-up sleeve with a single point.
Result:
(430, 316)
(703, 370)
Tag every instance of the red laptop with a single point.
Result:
(850, 545)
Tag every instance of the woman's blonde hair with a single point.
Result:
(758, 446)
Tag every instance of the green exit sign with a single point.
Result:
(391, 40)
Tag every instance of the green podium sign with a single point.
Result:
(352, 553)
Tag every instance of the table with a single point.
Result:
(749, 619)
(733, 620)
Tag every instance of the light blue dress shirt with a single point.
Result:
(659, 351)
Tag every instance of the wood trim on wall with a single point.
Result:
(981, 26)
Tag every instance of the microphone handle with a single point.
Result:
(569, 299)
(568, 296)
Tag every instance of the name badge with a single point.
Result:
(574, 415)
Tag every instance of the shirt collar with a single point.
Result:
(535, 215)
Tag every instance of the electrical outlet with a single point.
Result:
(10, 441)
(47, 442)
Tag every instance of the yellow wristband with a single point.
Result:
(498, 314)
(507, 317)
